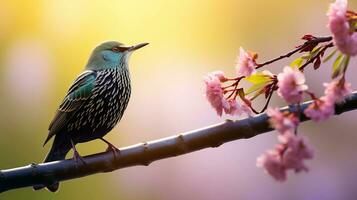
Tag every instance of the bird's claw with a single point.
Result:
(77, 158)
(113, 149)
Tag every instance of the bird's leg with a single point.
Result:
(111, 147)
(76, 156)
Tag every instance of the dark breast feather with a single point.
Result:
(105, 107)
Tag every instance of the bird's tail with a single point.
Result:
(58, 151)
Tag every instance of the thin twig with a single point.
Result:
(311, 60)
(302, 47)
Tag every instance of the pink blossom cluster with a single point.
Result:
(345, 37)
(214, 91)
(288, 155)
(291, 83)
(215, 95)
(246, 63)
(336, 91)
(292, 150)
(320, 110)
(324, 107)
(283, 122)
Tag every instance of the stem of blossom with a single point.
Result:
(228, 86)
(231, 90)
(302, 47)
(250, 106)
(269, 98)
(236, 79)
(272, 89)
(235, 91)
(311, 94)
(298, 114)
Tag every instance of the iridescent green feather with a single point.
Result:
(80, 91)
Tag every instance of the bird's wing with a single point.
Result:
(78, 93)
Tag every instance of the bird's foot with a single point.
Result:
(112, 148)
(77, 158)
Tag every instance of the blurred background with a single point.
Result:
(46, 43)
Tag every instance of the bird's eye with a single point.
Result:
(115, 49)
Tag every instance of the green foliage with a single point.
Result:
(329, 56)
(314, 52)
(258, 80)
(337, 64)
(354, 25)
(255, 87)
(297, 62)
(340, 65)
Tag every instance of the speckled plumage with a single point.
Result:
(105, 107)
(94, 103)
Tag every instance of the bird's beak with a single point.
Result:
(138, 46)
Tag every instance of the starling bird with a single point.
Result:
(94, 103)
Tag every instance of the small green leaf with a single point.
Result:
(257, 94)
(354, 25)
(258, 78)
(314, 52)
(306, 56)
(329, 56)
(297, 62)
(346, 62)
(241, 93)
(255, 87)
(311, 54)
(337, 64)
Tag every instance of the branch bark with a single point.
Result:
(145, 153)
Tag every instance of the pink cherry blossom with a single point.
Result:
(214, 93)
(271, 162)
(290, 154)
(232, 107)
(246, 63)
(336, 91)
(245, 110)
(297, 150)
(291, 85)
(344, 38)
(324, 107)
(282, 122)
(220, 75)
(321, 109)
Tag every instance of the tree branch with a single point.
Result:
(307, 44)
(145, 153)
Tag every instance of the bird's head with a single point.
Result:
(111, 54)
